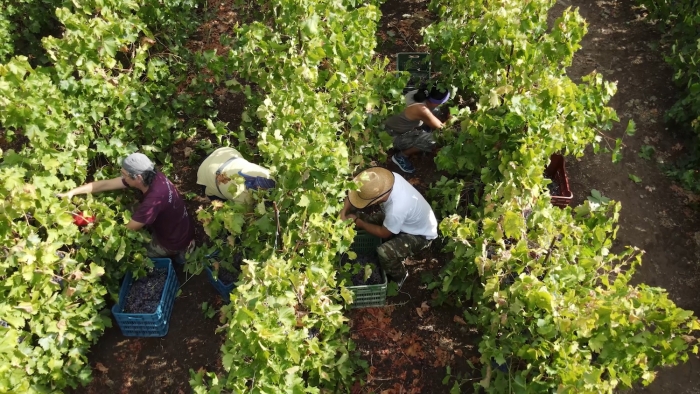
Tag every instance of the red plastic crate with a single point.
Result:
(556, 170)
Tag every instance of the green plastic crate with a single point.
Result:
(368, 295)
(365, 243)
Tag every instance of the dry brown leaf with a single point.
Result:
(424, 306)
(100, 367)
(419, 311)
(459, 320)
(441, 358)
(223, 178)
(458, 352)
(188, 151)
(413, 349)
(396, 335)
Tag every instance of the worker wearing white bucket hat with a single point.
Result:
(220, 169)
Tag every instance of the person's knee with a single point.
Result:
(390, 255)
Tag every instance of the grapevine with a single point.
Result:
(80, 102)
(554, 304)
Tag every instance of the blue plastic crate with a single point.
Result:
(154, 324)
(223, 289)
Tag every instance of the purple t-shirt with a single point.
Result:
(164, 211)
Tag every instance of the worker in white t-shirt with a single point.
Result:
(406, 220)
(220, 170)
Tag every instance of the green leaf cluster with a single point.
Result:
(105, 89)
(680, 21)
(319, 96)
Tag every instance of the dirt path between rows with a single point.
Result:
(655, 216)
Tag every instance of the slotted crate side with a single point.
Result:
(556, 170)
(415, 63)
(154, 324)
(367, 296)
(365, 243)
(223, 289)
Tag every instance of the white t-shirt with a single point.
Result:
(406, 211)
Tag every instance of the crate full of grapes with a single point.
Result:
(145, 304)
(366, 275)
(559, 187)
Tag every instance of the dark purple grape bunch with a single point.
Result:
(313, 333)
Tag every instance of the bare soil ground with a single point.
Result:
(410, 343)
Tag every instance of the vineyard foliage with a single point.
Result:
(103, 84)
(313, 112)
(99, 79)
(680, 21)
(22, 25)
(553, 302)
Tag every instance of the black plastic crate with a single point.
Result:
(417, 64)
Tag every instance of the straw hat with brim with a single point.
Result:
(375, 183)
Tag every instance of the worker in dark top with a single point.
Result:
(162, 209)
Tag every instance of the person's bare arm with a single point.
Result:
(428, 117)
(374, 229)
(134, 225)
(95, 187)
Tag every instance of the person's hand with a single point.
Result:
(352, 217)
(68, 195)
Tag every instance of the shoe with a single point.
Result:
(403, 163)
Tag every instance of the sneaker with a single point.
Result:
(403, 163)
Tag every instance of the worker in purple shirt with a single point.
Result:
(162, 209)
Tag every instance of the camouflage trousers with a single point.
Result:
(393, 252)
(418, 138)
